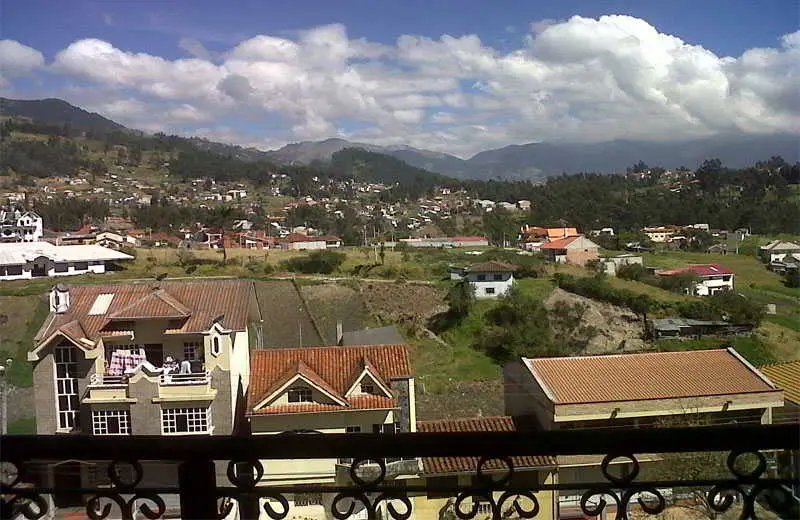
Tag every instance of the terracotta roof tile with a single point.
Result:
(787, 377)
(336, 366)
(560, 244)
(157, 304)
(492, 266)
(365, 402)
(202, 300)
(653, 375)
(439, 465)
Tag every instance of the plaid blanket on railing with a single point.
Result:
(124, 360)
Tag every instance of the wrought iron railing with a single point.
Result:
(494, 489)
(97, 379)
(195, 378)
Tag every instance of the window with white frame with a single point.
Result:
(111, 422)
(66, 386)
(300, 394)
(193, 350)
(185, 420)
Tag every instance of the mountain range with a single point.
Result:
(540, 160)
(526, 161)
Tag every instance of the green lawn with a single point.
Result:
(750, 347)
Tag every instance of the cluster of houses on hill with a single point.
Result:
(163, 358)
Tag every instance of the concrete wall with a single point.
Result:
(667, 407)
(581, 256)
(44, 390)
(432, 506)
(524, 398)
(145, 414)
(709, 286)
(501, 287)
(97, 267)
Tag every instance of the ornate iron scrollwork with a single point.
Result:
(489, 486)
(368, 475)
(499, 489)
(98, 509)
(621, 490)
(749, 487)
(30, 503)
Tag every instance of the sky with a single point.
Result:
(455, 76)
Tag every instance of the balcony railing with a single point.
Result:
(197, 378)
(491, 489)
(101, 380)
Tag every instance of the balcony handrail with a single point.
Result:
(200, 490)
(408, 445)
(99, 379)
(194, 378)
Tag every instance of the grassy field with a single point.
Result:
(23, 315)
(22, 427)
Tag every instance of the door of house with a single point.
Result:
(67, 476)
(39, 266)
(154, 352)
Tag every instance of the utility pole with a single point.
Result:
(4, 395)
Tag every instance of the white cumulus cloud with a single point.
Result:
(581, 79)
(17, 60)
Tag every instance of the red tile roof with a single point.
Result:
(334, 368)
(653, 375)
(698, 270)
(157, 304)
(451, 465)
(190, 306)
(492, 266)
(559, 244)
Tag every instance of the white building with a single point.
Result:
(780, 251)
(490, 279)
(19, 226)
(32, 260)
(711, 278)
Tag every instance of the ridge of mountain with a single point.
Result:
(518, 161)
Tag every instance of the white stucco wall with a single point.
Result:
(500, 287)
(707, 287)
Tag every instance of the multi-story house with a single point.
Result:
(20, 226)
(491, 279)
(328, 390)
(709, 278)
(103, 361)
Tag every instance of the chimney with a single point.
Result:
(59, 299)
(339, 333)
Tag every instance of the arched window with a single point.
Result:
(215, 348)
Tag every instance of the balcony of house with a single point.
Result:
(735, 471)
(104, 388)
(181, 386)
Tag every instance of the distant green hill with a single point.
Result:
(58, 112)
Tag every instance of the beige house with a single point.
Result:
(101, 362)
(329, 390)
(453, 471)
(634, 390)
(572, 250)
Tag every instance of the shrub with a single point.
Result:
(322, 262)
(599, 289)
(635, 272)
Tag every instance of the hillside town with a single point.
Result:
(420, 262)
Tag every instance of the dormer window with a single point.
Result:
(367, 388)
(300, 394)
